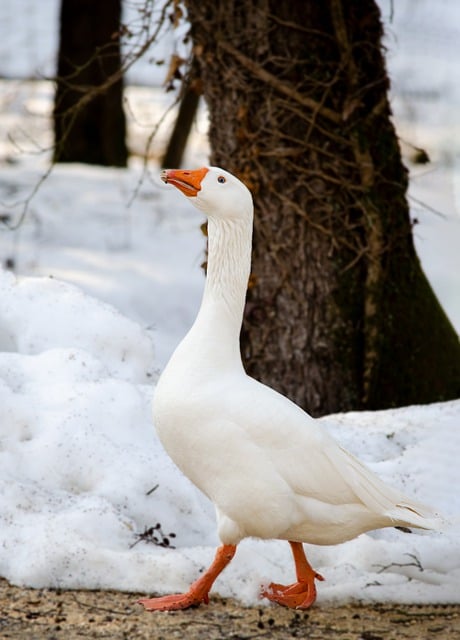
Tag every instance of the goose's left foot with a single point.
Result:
(301, 594)
(198, 591)
(174, 602)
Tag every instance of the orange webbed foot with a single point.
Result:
(300, 595)
(199, 590)
(173, 602)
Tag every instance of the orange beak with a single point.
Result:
(189, 182)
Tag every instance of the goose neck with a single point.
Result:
(229, 265)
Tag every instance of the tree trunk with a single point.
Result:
(185, 117)
(339, 314)
(89, 52)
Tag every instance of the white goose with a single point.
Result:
(269, 468)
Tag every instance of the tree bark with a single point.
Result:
(92, 131)
(339, 313)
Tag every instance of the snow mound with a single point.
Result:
(37, 314)
(78, 461)
(81, 470)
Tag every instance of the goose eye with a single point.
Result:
(221, 179)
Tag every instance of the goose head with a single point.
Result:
(214, 191)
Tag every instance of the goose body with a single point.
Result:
(270, 469)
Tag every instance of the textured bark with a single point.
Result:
(89, 52)
(339, 314)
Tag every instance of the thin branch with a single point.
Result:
(26, 202)
(428, 207)
(278, 85)
(415, 563)
(145, 167)
(97, 607)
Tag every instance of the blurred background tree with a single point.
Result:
(89, 121)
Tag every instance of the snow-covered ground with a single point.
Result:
(81, 471)
(107, 289)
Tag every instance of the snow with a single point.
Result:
(79, 459)
(108, 283)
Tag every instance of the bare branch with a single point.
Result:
(278, 85)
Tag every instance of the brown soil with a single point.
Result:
(68, 615)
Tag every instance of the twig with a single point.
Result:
(428, 207)
(27, 201)
(150, 491)
(148, 144)
(416, 563)
(281, 87)
(149, 535)
(97, 607)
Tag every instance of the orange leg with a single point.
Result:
(198, 591)
(302, 593)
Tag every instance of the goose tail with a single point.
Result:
(407, 513)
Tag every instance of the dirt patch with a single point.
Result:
(69, 615)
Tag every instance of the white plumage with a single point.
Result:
(270, 469)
